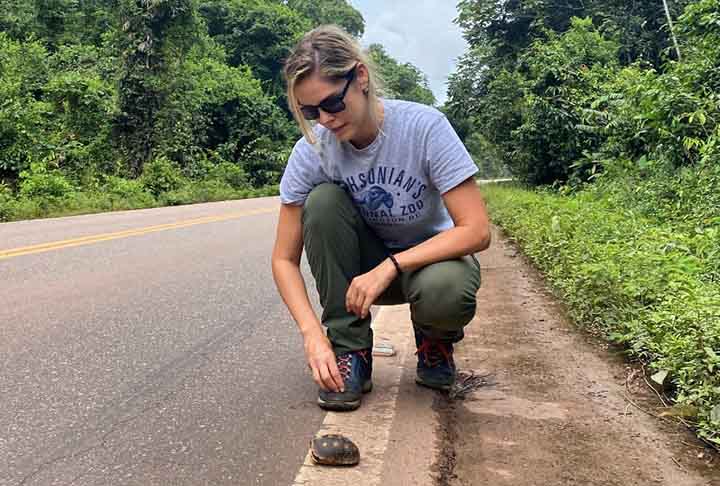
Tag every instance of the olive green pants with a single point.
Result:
(340, 246)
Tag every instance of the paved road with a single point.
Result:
(161, 355)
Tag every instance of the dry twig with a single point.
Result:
(466, 383)
(678, 464)
(662, 400)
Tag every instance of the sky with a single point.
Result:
(417, 31)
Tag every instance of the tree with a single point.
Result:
(563, 74)
(23, 118)
(330, 12)
(58, 22)
(17, 18)
(255, 33)
(467, 86)
(155, 37)
(640, 27)
(672, 31)
(531, 112)
(82, 93)
(95, 88)
(402, 81)
(219, 109)
(510, 26)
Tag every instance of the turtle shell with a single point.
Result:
(334, 450)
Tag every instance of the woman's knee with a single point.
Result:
(449, 310)
(445, 297)
(324, 201)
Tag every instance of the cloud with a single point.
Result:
(416, 31)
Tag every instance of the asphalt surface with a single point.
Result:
(158, 358)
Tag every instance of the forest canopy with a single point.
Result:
(143, 99)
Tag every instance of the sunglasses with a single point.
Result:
(331, 104)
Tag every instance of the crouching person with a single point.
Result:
(381, 195)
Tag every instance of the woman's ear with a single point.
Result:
(363, 77)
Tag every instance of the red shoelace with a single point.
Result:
(432, 358)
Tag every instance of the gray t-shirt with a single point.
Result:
(397, 181)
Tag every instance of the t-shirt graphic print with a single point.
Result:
(377, 190)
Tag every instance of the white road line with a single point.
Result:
(369, 426)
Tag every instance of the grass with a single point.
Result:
(85, 202)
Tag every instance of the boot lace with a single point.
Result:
(434, 352)
(344, 362)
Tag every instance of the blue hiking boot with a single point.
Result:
(356, 370)
(435, 367)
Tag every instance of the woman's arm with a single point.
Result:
(471, 233)
(286, 271)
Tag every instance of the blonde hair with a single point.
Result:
(332, 52)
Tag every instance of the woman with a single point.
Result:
(381, 195)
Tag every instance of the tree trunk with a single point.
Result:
(672, 30)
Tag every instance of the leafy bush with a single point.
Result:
(177, 197)
(640, 283)
(161, 175)
(230, 174)
(263, 163)
(657, 120)
(686, 197)
(44, 184)
(213, 190)
(6, 203)
(82, 103)
(127, 192)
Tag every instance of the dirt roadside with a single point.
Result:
(559, 412)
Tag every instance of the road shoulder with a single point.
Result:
(560, 410)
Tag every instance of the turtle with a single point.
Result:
(334, 450)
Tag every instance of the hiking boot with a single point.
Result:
(356, 371)
(435, 367)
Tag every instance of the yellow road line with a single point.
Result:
(87, 240)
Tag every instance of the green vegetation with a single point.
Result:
(615, 133)
(403, 81)
(557, 98)
(647, 286)
(118, 104)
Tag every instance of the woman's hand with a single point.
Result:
(321, 360)
(365, 289)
